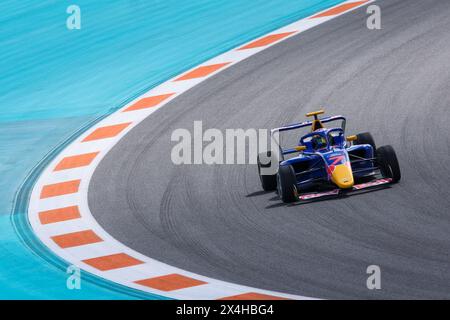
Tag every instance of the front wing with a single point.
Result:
(375, 183)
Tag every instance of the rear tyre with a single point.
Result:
(268, 182)
(287, 184)
(388, 163)
(365, 138)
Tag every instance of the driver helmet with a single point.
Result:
(319, 142)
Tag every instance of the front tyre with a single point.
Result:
(388, 163)
(287, 184)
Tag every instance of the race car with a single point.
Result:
(326, 163)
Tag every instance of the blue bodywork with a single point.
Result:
(315, 164)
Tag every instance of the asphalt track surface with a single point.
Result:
(216, 221)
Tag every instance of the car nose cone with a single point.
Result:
(342, 176)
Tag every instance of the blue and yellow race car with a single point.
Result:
(325, 162)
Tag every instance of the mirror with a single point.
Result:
(300, 148)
